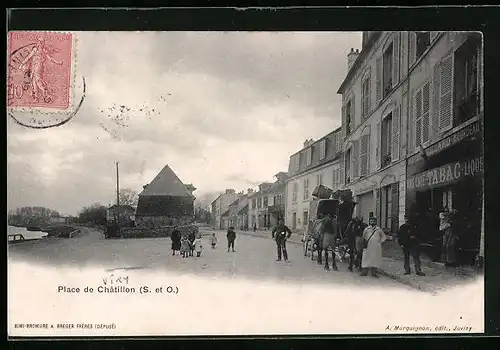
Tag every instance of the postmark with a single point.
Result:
(41, 77)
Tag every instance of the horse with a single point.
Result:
(319, 240)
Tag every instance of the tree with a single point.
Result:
(95, 213)
(128, 197)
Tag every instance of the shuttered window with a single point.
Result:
(297, 162)
(295, 190)
(378, 78)
(422, 115)
(445, 96)
(435, 100)
(412, 49)
(425, 113)
(306, 189)
(418, 118)
(366, 96)
(355, 159)
(396, 126)
(395, 59)
(363, 154)
(309, 156)
(322, 149)
(339, 143)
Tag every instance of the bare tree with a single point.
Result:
(128, 197)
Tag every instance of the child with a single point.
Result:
(198, 247)
(213, 240)
(185, 247)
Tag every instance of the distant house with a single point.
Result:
(165, 201)
(58, 220)
(125, 212)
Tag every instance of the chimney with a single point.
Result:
(250, 190)
(351, 58)
(230, 191)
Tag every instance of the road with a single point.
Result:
(255, 258)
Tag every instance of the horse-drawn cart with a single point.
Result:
(340, 209)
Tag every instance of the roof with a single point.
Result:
(338, 129)
(166, 183)
(373, 38)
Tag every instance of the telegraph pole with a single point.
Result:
(117, 199)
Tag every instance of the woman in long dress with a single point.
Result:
(372, 254)
(176, 240)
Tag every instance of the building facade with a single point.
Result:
(220, 206)
(412, 128)
(237, 214)
(267, 205)
(317, 163)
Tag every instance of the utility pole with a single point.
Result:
(117, 199)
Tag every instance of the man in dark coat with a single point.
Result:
(408, 240)
(281, 233)
(231, 237)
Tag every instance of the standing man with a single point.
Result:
(408, 240)
(281, 233)
(231, 237)
(372, 253)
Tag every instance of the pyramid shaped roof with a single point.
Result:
(166, 183)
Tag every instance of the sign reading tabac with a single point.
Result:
(445, 174)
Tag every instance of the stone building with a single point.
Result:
(220, 206)
(317, 163)
(412, 129)
(165, 201)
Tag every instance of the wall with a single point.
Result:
(158, 221)
(301, 205)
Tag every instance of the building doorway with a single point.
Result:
(294, 221)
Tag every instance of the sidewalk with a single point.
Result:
(437, 278)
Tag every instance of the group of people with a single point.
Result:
(363, 243)
(186, 244)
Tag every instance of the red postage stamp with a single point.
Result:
(40, 70)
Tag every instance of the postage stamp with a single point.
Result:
(40, 71)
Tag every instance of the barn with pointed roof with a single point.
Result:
(166, 201)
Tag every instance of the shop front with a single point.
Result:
(448, 176)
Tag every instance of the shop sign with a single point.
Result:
(451, 140)
(445, 174)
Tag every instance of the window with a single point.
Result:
(423, 42)
(466, 82)
(364, 155)
(366, 96)
(319, 179)
(306, 189)
(338, 138)
(348, 120)
(254, 203)
(309, 156)
(386, 139)
(306, 217)
(386, 207)
(422, 115)
(297, 162)
(387, 71)
(259, 202)
(322, 149)
(294, 192)
(266, 201)
(347, 166)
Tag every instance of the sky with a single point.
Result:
(222, 109)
